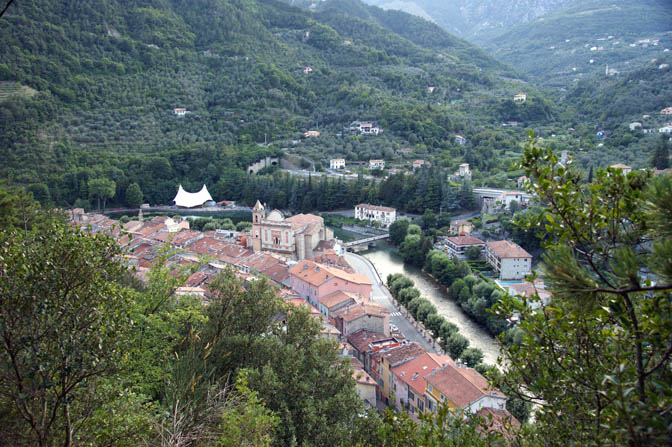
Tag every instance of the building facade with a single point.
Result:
(509, 259)
(337, 163)
(384, 215)
(294, 237)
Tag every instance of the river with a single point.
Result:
(386, 262)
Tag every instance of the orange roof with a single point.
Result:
(361, 340)
(465, 240)
(362, 377)
(507, 249)
(317, 274)
(461, 385)
(337, 297)
(499, 420)
(400, 354)
(358, 310)
(620, 166)
(413, 372)
(301, 220)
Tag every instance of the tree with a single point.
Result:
(472, 253)
(661, 154)
(428, 219)
(596, 358)
(514, 206)
(472, 356)
(133, 195)
(398, 230)
(455, 344)
(102, 188)
(65, 321)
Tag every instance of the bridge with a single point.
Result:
(367, 241)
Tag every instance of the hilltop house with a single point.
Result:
(417, 164)
(364, 128)
(384, 215)
(461, 227)
(624, 168)
(519, 97)
(180, 111)
(666, 111)
(311, 133)
(376, 164)
(337, 163)
(459, 139)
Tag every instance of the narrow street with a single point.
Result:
(382, 296)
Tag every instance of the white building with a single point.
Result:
(458, 245)
(337, 163)
(376, 164)
(364, 127)
(459, 139)
(625, 168)
(666, 111)
(509, 259)
(374, 213)
(666, 129)
(179, 111)
(520, 97)
(464, 170)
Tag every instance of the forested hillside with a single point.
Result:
(88, 92)
(585, 37)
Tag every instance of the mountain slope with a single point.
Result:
(105, 76)
(475, 20)
(585, 37)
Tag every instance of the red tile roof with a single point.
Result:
(460, 385)
(413, 372)
(465, 240)
(400, 354)
(507, 249)
(366, 206)
(317, 274)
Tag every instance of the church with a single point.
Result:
(294, 237)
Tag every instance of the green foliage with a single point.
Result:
(601, 241)
(398, 230)
(133, 195)
(66, 322)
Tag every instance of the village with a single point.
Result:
(403, 368)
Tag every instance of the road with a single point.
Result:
(382, 296)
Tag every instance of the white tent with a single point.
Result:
(186, 199)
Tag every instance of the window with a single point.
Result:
(429, 404)
(429, 387)
(421, 405)
(411, 396)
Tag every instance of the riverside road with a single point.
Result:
(382, 296)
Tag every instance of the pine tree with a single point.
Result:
(661, 155)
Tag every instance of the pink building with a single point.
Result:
(314, 281)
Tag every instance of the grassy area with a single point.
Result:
(8, 89)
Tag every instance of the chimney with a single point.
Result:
(415, 376)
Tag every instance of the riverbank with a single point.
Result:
(387, 262)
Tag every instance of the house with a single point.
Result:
(376, 164)
(528, 289)
(404, 151)
(383, 361)
(430, 89)
(384, 215)
(180, 111)
(464, 170)
(509, 259)
(519, 97)
(362, 315)
(666, 111)
(666, 129)
(417, 164)
(459, 139)
(311, 133)
(461, 387)
(314, 281)
(408, 381)
(461, 227)
(295, 237)
(634, 125)
(329, 304)
(458, 245)
(366, 342)
(364, 128)
(307, 70)
(184, 199)
(365, 386)
(337, 163)
(624, 168)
